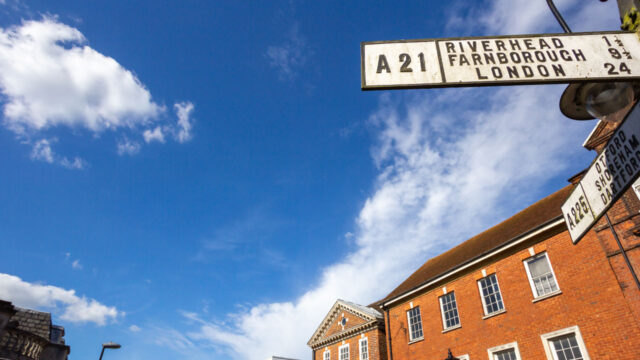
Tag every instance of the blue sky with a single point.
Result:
(202, 180)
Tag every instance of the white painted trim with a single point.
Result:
(340, 352)
(525, 262)
(558, 221)
(360, 348)
(463, 357)
(444, 323)
(484, 304)
(546, 341)
(584, 144)
(354, 331)
(513, 345)
(451, 328)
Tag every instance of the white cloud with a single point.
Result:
(181, 130)
(153, 135)
(76, 264)
(73, 308)
(128, 147)
(42, 151)
(288, 57)
(437, 186)
(505, 17)
(77, 163)
(51, 79)
(452, 163)
(134, 328)
(183, 111)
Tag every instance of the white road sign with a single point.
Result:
(611, 173)
(504, 60)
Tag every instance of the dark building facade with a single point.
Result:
(29, 335)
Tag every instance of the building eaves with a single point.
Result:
(542, 212)
(364, 309)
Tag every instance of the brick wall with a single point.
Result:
(625, 218)
(352, 320)
(591, 299)
(374, 338)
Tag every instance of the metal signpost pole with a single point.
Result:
(626, 7)
(623, 252)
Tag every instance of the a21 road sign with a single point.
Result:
(610, 174)
(502, 60)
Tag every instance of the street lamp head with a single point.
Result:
(450, 356)
(587, 101)
(111, 345)
(602, 99)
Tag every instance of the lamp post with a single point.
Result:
(587, 101)
(109, 345)
(450, 356)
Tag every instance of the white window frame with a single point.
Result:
(525, 262)
(546, 341)
(325, 353)
(366, 346)
(411, 337)
(497, 349)
(484, 304)
(463, 357)
(340, 352)
(444, 320)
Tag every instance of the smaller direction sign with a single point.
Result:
(504, 60)
(610, 174)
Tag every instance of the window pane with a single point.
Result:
(509, 354)
(539, 266)
(449, 310)
(344, 353)
(364, 350)
(415, 323)
(566, 347)
(491, 294)
(541, 275)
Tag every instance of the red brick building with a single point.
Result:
(350, 331)
(523, 290)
